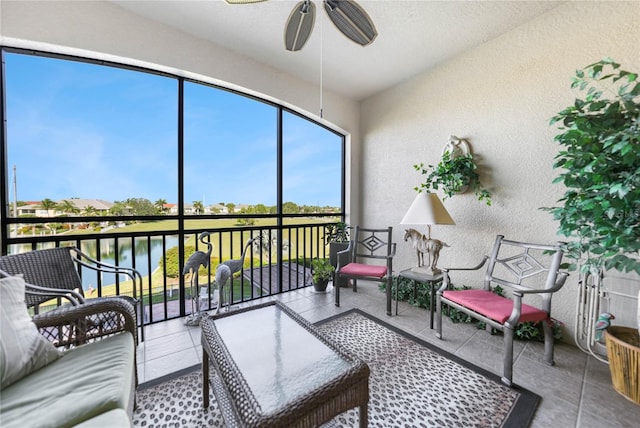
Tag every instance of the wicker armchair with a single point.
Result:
(52, 274)
(95, 319)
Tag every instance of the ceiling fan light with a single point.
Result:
(299, 25)
(351, 20)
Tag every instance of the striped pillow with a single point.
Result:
(22, 348)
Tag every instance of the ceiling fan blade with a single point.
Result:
(243, 1)
(352, 21)
(299, 25)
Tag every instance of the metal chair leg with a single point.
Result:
(508, 356)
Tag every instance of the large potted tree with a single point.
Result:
(336, 235)
(600, 209)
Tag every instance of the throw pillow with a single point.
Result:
(22, 348)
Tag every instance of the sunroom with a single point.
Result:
(233, 127)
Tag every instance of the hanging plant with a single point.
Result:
(454, 175)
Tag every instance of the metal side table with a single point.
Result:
(432, 280)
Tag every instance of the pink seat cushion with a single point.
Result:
(493, 306)
(359, 269)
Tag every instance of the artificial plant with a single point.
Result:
(336, 232)
(600, 159)
(321, 270)
(454, 175)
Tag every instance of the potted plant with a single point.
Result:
(337, 237)
(321, 273)
(600, 156)
(454, 175)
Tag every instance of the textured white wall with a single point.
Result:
(105, 31)
(500, 96)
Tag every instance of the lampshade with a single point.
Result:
(427, 209)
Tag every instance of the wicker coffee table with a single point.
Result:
(272, 369)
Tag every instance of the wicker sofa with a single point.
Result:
(86, 373)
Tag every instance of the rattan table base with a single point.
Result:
(271, 368)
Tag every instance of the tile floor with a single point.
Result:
(576, 392)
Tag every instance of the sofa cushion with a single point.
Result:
(116, 418)
(85, 382)
(22, 348)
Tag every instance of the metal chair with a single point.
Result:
(53, 274)
(525, 269)
(367, 245)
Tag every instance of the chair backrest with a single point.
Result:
(51, 267)
(523, 266)
(370, 243)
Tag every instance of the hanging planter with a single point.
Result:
(455, 174)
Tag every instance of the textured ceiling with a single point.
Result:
(413, 36)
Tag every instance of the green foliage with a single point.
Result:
(135, 206)
(338, 232)
(453, 175)
(171, 260)
(172, 266)
(600, 159)
(321, 270)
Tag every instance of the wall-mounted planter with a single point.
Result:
(455, 174)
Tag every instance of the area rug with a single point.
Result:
(412, 384)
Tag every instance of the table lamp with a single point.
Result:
(426, 209)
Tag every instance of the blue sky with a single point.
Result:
(88, 131)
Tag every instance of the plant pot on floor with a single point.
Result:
(321, 273)
(623, 350)
(321, 286)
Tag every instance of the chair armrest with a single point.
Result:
(345, 251)
(393, 251)
(560, 280)
(97, 265)
(445, 274)
(518, 294)
(484, 260)
(91, 320)
(74, 297)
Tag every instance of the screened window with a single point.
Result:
(85, 138)
(86, 133)
(230, 151)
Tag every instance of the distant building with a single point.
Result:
(100, 205)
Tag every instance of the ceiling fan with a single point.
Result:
(348, 17)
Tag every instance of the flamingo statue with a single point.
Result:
(197, 259)
(226, 270)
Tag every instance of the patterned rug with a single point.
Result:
(412, 384)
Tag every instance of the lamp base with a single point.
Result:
(426, 270)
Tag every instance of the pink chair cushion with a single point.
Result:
(359, 269)
(493, 306)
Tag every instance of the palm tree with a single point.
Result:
(90, 211)
(48, 205)
(198, 207)
(160, 205)
(68, 207)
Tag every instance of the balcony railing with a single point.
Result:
(277, 261)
